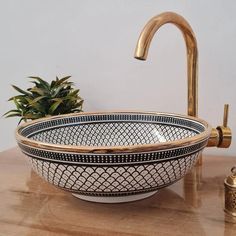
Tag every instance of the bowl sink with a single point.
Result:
(113, 156)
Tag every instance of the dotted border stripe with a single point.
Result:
(112, 159)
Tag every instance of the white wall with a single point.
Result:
(94, 42)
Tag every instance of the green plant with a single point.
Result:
(45, 99)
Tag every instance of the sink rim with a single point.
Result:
(114, 149)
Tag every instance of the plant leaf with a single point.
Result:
(21, 120)
(14, 110)
(17, 97)
(37, 99)
(57, 99)
(20, 90)
(72, 94)
(54, 106)
(17, 104)
(39, 107)
(38, 91)
(13, 115)
(57, 90)
(62, 80)
(41, 81)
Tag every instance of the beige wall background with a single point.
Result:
(94, 42)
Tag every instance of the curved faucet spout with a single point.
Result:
(145, 39)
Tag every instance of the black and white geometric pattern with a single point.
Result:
(114, 180)
(113, 134)
(117, 174)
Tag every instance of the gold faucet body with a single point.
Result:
(220, 136)
(144, 42)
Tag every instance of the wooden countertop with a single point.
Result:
(192, 206)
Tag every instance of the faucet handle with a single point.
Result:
(222, 135)
(226, 115)
(225, 134)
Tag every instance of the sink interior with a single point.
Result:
(116, 130)
(113, 134)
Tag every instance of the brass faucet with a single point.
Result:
(220, 136)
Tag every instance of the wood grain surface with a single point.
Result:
(192, 206)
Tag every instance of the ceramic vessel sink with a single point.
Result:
(113, 156)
